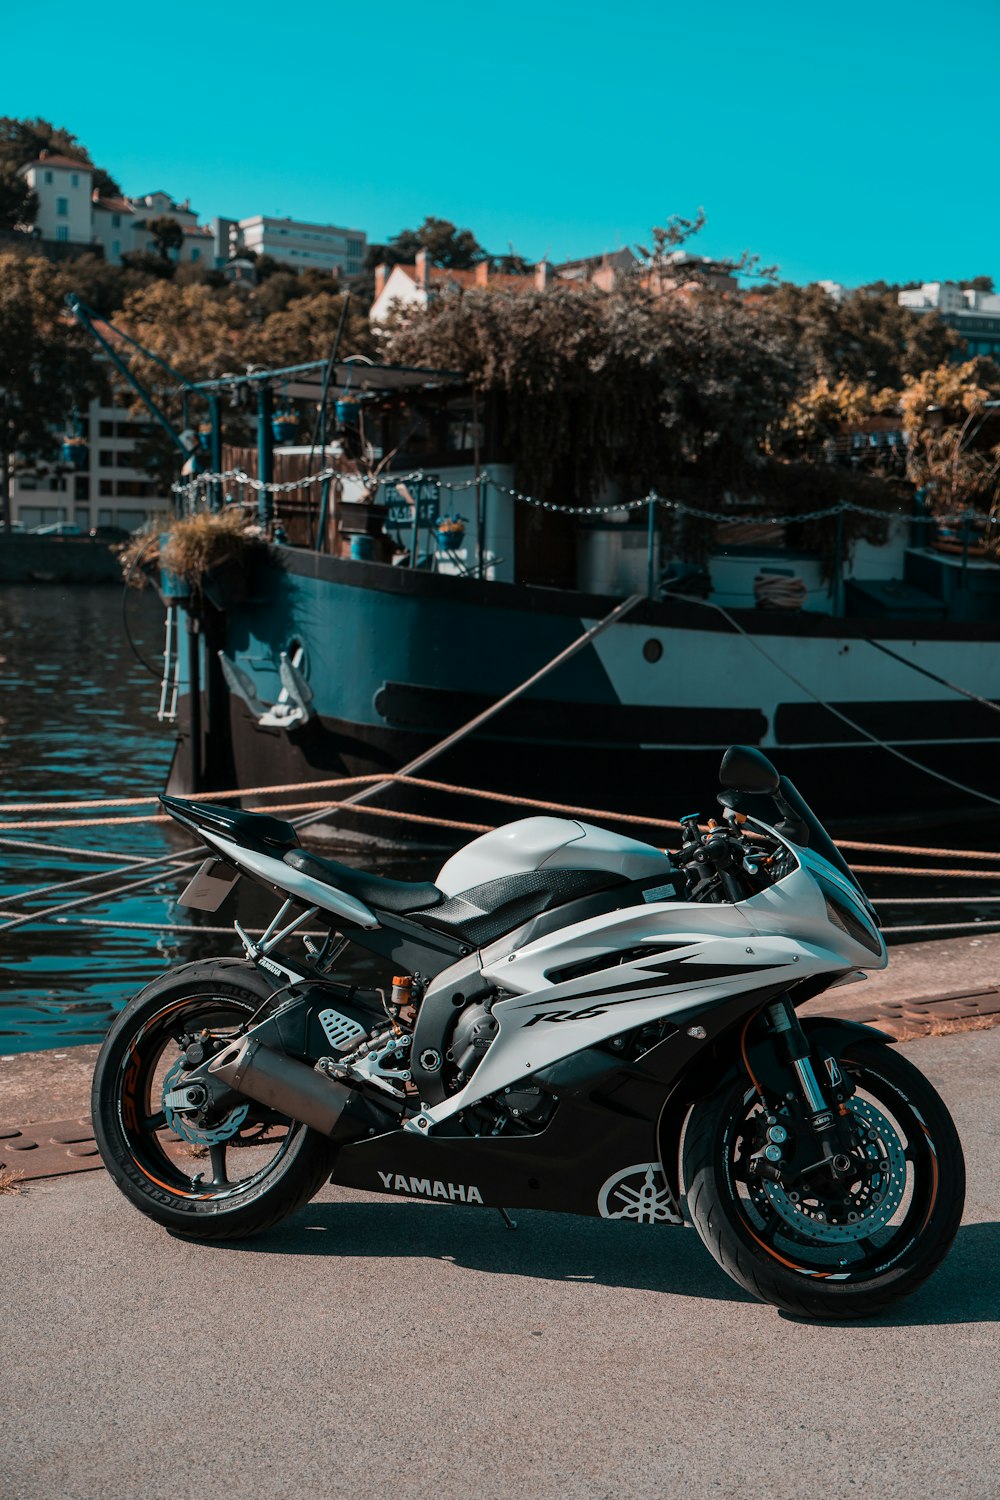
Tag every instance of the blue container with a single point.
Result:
(362, 548)
(450, 541)
(347, 412)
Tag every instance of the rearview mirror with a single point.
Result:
(746, 770)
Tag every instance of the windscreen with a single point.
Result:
(819, 839)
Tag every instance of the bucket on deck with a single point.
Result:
(362, 548)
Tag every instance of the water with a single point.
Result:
(78, 721)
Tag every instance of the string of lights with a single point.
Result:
(198, 485)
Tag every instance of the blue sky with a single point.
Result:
(851, 142)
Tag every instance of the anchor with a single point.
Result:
(292, 706)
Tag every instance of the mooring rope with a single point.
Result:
(603, 814)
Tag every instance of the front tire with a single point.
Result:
(215, 1179)
(831, 1258)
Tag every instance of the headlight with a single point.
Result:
(849, 920)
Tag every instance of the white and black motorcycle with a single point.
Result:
(580, 1022)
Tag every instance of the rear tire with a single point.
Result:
(802, 1253)
(281, 1164)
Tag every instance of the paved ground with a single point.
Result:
(422, 1351)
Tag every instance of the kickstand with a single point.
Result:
(510, 1223)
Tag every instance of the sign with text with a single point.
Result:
(406, 500)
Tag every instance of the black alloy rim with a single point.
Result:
(157, 1152)
(814, 1235)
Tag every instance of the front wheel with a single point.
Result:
(211, 1177)
(828, 1247)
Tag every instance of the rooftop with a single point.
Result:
(48, 159)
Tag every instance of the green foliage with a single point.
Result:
(47, 368)
(635, 386)
(22, 141)
(454, 249)
(866, 337)
(954, 452)
(205, 330)
(149, 264)
(167, 234)
(18, 204)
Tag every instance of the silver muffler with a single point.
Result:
(289, 1087)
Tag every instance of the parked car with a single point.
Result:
(57, 528)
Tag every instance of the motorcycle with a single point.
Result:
(578, 1022)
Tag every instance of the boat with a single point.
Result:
(364, 632)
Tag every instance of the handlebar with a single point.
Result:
(721, 860)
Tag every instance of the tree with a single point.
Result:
(205, 331)
(22, 141)
(46, 368)
(149, 265)
(18, 204)
(866, 337)
(647, 389)
(954, 435)
(454, 249)
(167, 235)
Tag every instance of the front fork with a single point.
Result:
(786, 1026)
(826, 1116)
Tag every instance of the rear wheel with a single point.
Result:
(823, 1246)
(209, 1176)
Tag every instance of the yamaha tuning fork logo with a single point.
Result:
(639, 1193)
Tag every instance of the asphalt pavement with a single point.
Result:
(415, 1350)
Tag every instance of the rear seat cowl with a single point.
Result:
(233, 822)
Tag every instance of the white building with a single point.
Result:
(974, 315)
(63, 188)
(70, 211)
(109, 491)
(301, 245)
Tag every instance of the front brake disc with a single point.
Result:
(868, 1209)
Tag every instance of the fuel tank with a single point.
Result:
(548, 844)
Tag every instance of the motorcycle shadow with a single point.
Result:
(570, 1248)
(545, 1246)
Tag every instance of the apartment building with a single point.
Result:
(975, 315)
(109, 491)
(302, 245)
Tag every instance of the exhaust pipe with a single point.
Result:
(289, 1087)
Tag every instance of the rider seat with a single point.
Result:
(375, 891)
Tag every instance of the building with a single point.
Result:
(415, 285)
(597, 270)
(324, 247)
(71, 212)
(109, 491)
(975, 315)
(64, 189)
